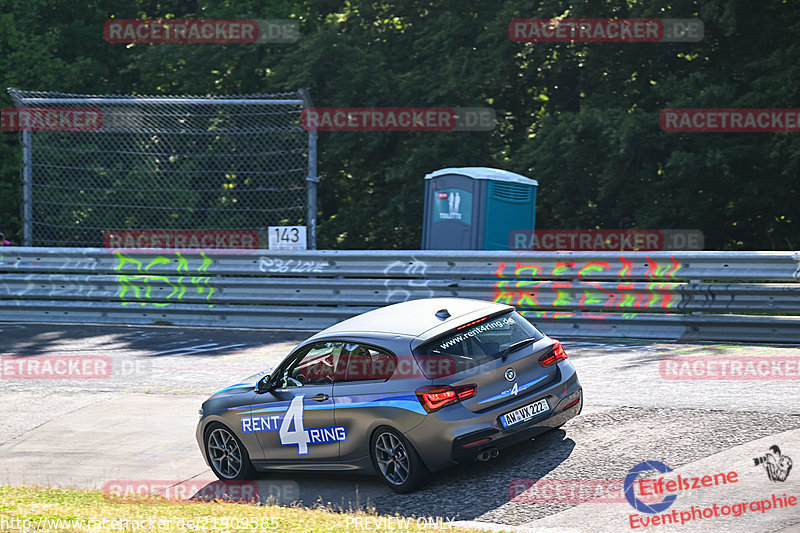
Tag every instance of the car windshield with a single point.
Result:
(473, 344)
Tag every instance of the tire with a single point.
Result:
(226, 454)
(396, 462)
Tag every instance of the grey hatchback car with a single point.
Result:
(401, 391)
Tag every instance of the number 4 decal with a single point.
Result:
(298, 435)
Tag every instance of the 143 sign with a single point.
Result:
(287, 237)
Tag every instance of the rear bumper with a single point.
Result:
(463, 451)
(455, 434)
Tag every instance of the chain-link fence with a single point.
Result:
(95, 164)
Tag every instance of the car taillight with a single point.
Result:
(551, 358)
(573, 402)
(466, 391)
(434, 397)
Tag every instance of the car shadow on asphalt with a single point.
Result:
(464, 492)
(472, 489)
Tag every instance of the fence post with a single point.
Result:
(311, 180)
(27, 189)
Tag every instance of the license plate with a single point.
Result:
(524, 413)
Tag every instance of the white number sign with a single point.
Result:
(287, 237)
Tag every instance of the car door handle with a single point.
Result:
(320, 397)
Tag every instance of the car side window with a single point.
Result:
(366, 363)
(315, 365)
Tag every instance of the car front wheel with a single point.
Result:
(396, 461)
(227, 455)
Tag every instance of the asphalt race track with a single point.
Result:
(137, 424)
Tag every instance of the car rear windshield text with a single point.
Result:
(475, 343)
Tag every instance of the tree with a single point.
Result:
(582, 118)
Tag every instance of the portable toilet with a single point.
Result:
(476, 208)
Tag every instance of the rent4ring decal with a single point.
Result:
(252, 424)
(291, 428)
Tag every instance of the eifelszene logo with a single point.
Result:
(630, 495)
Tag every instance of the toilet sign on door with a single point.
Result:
(453, 204)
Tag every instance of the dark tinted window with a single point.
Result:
(315, 365)
(473, 344)
(363, 363)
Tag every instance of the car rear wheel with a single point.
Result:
(227, 455)
(396, 461)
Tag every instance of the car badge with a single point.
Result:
(510, 374)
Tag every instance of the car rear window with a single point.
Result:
(473, 344)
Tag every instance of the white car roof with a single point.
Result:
(413, 318)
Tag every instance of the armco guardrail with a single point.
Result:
(732, 296)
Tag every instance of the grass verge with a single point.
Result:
(56, 510)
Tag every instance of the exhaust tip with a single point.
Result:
(487, 454)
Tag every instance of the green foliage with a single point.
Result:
(582, 118)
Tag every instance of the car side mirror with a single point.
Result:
(264, 384)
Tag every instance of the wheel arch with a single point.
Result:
(411, 442)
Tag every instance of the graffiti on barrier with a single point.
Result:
(281, 266)
(525, 288)
(399, 290)
(138, 288)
